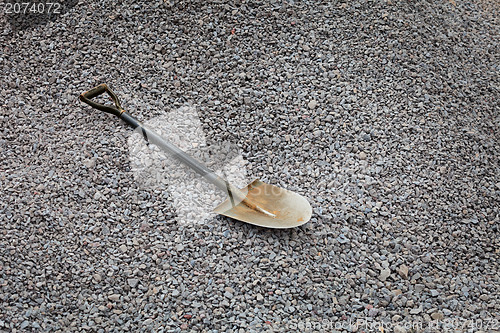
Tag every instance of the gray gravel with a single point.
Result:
(384, 114)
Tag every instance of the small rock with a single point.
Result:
(123, 248)
(384, 274)
(312, 104)
(144, 227)
(362, 155)
(342, 239)
(403, 271)
(419, 287)
(90, 163)
(133, 282)
(105, 230)
(260, 297)
(396, 318)
(437, 316)
(114, 297)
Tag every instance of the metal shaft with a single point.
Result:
(234, 194)
(177, 153)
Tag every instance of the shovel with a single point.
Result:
(258, 203)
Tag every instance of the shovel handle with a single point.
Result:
(163, 144)
(87, 96)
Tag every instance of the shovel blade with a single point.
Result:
(290, 209)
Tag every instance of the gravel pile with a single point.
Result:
(384, 114)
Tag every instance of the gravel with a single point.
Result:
(384, 114)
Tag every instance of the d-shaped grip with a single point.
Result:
(87, 96)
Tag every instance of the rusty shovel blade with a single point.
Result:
(288, 208)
